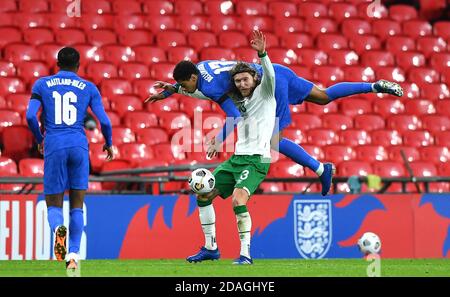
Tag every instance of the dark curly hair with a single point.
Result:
(184, 69)
(242, 67)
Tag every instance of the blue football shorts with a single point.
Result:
(64, 169)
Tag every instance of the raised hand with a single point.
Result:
(258, 42)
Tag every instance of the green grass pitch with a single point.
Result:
(224, 268)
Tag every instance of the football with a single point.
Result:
(369, 243)
(201, 181)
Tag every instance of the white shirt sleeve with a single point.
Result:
(268, 79)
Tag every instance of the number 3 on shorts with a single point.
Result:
(244, 175)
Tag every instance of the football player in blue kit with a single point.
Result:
(64, 98)
(211, 80)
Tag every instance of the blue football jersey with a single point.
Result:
(65, 98)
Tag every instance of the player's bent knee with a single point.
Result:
(240, 197)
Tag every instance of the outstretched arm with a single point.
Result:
(258, 43)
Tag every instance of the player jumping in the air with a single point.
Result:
(65, 98)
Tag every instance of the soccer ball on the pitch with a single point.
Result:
(202, 181)
(369, 243)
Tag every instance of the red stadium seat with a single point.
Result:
(410, 90)
(390, 73)
(101, 71)
(435, 123)
(295, 135)
(328, 74)
(170, 38)
(369, 122)
(388, 168)
(30, 71)
(321, 137)
(2, 105)
(9, 35)
(126, 7)
(218, 24)
(246, 54)
(312, 57)
(262, 23)
(296, 40)
(94, 136)
(33, 5)
(122, 135)
(8, 6)
(162, 71)
(330, 41)
(144, 87)
(421, 169)
(98, 7)
(283, 56)
(169, 152)
(422, 75)
(125, 103)
(406, 60)
(338, 153)
(419, 107)
(97, 21)
(354, 106)
(401, 12)
(318, 26)
(88, 53)
(37, 36)
(114, 118)
(18, 102)
(161, 23)
(440, 29)
(168, 104)
(442, 138)
(117, 54)
(250, 8)
(350, 168)
(60, 20)
(191, 106)
(416, 28)
(216, 53)
(352, 26)
(370, 153)
(133, 71)
(411, 153)
(312, 9)
(11, 85)
(399, 43)
(151, 136)
(70, 36)
(336, 121)
(174, 121)
(306, 122)
(7, 167)
(431, 44)
(137, 120)
(112, 87)
(342, 58)
(282, 9)
(202, 39)
(435, 154)
(353, 137)
(267, 187)
(384, 28)
(385, 137)
(7, 68)
(417, 138)
(358, 73)
(17, 142)
(302, 71)
(444, 169)
(363, 43)
(232, 39)
(403, 123)
(286, 169)
(135, 152)
(19, 52)
(187, 23)
(341, 11)
(136, 37)
(217, 8)
(123, 23)
(188, 7)
(102, 37)
(318, 109)
(176, 54)
(48, 53)
(30, 167)
(442, 107)
(149, 54)
(377, 58)
(440, 61)
(288, 25)
(158, 7)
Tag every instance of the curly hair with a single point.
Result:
(242, 67)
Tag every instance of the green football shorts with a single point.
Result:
(240, 171)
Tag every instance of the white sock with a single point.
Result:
(244, 223)
(319, 170)
(208, 221)
(73, 256)
(373, 88)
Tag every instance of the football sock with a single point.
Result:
(319, 170)
(208, 221)
(298, 154)
(75, 229)
(244, 224)
(55, 217)
(348, 88)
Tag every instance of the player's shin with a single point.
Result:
(55, 217)
(75, 229)
(244, 224)
(208, 220)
